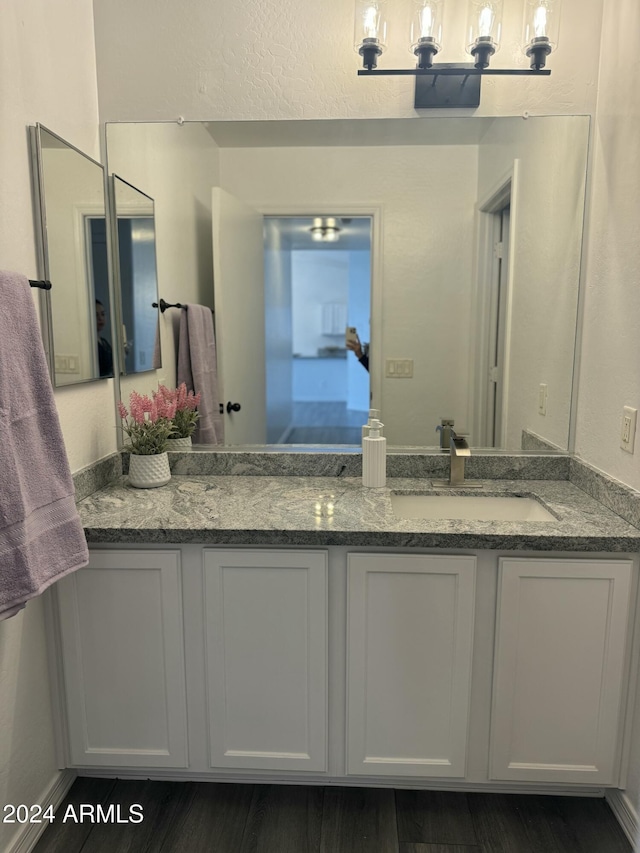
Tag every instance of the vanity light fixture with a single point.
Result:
(456, 84)
(325, 229)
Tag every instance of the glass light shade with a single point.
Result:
(540, 29)
(484, 29)
(370, 30)
(426, 30)
(325, 229)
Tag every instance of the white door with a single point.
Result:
(266, 653)
(123, 660)
(410, 638)
(499, 293)
(238, 286)
(559, 668)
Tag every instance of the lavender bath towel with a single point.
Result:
(41, 536)
(197, 367)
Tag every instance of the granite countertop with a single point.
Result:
(237, 510)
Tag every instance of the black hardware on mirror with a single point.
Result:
(233, 407)
(43, 285)
(162, 305)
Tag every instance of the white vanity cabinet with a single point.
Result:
(409, 640)
(266, 658)
(209, 662)
(561, 640)
(120, 630)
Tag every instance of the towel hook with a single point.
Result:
(43, 285)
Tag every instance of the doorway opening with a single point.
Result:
(317, 391)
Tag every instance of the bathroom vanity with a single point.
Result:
(240, 627)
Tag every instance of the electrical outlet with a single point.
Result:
(628, 429)
(542, 399)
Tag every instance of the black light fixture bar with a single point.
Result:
(450, 85)
(457, 71)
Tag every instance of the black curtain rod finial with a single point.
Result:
(162, 305)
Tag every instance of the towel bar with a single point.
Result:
(162, 305)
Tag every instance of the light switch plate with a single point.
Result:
(67, 363)
(628, 428)
(399, 368)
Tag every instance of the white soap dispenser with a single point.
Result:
(374, 414)
(374, 457)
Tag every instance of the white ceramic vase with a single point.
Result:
(149, 472)
(179, 443)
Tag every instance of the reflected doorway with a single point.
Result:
(317, 391)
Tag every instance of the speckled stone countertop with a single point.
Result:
(236, 510)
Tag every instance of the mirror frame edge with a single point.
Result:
(40, 228)
(116, 313)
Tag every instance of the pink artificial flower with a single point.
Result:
(137, 409)
(183, 400)
(166, 408)
(187, 401)
(124, 414)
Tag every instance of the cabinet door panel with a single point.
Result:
(560, 652)
(266, 641)
(410, 639)
(121, 631)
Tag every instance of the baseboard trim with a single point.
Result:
(31, 832)
(625, 812)
(271, 777)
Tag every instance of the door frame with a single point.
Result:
(503, 191)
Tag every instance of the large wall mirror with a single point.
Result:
(78, 311)
(454, 249)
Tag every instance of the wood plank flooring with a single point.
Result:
(202, 817)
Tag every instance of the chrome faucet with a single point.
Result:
(459, 450)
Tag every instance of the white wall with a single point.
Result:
(547, 215)
(47, 75)
(427, 251)
(176, 166)
(265, 59)
(610, 370)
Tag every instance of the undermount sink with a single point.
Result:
(469, 507)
